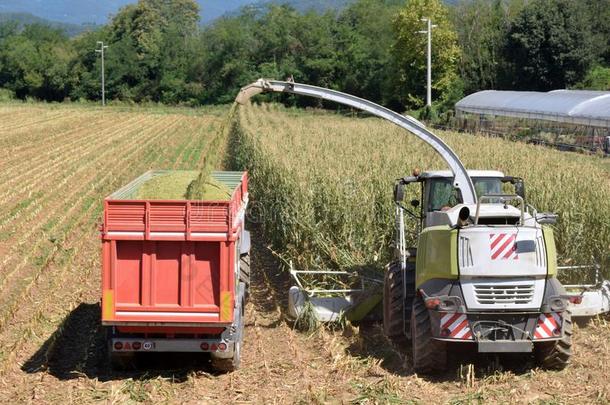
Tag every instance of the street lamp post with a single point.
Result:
(428, 32)
(101, 51)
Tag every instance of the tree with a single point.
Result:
(598, 12)
(86, 65)
(598, 78)
(297, 45)
(228, 48)
(149, 56)
(34, 63)
(409, 50)
(549, 46)
(482, 27)
(362, 40)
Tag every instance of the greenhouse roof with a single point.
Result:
(581, 107)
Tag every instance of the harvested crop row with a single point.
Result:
(42, 251)
(158, 142)
(82, 240)
(324, 184)
(53, 142)
(63, 152)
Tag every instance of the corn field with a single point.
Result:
(323, 185)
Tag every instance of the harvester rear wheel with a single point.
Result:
(556, 355)
(429, 355)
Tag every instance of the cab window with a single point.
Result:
(443, 195)
(487, 185)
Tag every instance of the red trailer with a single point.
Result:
(175, 273)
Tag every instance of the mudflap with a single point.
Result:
(230, 360)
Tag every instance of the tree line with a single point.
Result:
(158, 52)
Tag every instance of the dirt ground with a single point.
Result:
(281, 365)
(52, 344)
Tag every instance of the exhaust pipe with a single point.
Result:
(463, 216)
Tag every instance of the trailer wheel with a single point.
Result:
(429, 354)
(233, 363)
(122, 361)
(117, 360)
(556, 355)
(244, 271)
(228, 365)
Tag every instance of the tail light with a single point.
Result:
(205, 346)
(576, 299)
(213, 347)
(222, 347)
(118, 345)
(136, 345)
(433, 303)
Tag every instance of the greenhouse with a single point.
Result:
(579, 107)
(566, 119)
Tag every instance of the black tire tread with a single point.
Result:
(232, 364)
(393, 303)
(225, 365)
(429, 354)
(558, 354)
(244, 270)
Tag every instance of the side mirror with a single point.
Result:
(520, 189)
(518, 183)
(399, 192)
(546, 218)
(414, 203)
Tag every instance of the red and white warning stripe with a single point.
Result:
(455, 326)
(547, 323)
(503, 246)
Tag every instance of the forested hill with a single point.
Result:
(23, 19)
(159, 51)
(315, 5)
(98, 12)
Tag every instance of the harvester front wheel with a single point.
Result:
(394, 303)
(556, 355)
(429, 354)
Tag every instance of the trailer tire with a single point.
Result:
(233, 363)
(229, 365)
(117, 360)
(556, 355)
(122, 361)
(429, 354)
(244, 271)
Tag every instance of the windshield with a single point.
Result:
(442, 195)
